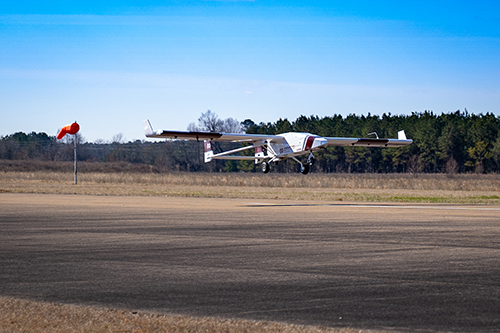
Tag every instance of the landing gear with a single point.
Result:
(311, 160)
(265, 167)
(304, 168)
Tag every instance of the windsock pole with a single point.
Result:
(70, 129)
(74, 140)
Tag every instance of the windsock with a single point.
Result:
(68, 129)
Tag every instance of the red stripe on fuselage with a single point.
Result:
(309, 142)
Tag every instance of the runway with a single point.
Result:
(427, 267)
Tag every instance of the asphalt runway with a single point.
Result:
(364, 266)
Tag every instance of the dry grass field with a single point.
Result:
(416, 188)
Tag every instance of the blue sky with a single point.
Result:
(110, 66)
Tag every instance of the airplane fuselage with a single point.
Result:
(295, 144)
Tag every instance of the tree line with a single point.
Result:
(454, 142)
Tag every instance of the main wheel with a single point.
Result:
(304, 168)
(265, 167)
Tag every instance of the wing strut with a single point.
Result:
(226, 155)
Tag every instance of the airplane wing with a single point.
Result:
(239, 137)
(370, 142)
(191, 135)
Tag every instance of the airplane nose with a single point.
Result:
(319, 142)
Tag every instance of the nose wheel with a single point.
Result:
(304, 169)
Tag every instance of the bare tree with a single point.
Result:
(210, 122)
(232, 125)
(118, 138)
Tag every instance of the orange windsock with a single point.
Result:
(68, 129)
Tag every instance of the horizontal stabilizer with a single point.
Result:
(370, 142)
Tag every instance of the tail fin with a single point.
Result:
(148, 129)
(402, 135)
(208, 151)
(259, 154)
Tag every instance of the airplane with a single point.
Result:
(274, 148)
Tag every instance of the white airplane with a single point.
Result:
(274, 148)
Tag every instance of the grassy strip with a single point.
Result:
(361, 195)
(31, 316)
(466, 189)
(465, 182)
